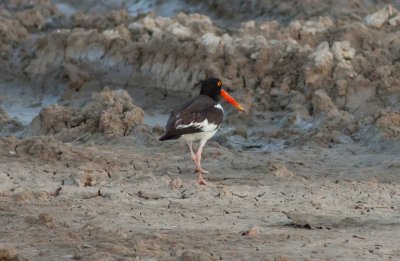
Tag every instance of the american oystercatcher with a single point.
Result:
(199, 119)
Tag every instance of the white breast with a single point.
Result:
(198, 136)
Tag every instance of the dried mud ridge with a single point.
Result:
(309, 172)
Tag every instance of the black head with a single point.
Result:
(212, 88)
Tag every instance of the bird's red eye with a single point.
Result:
(219, 83)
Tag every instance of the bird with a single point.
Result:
(198, 119)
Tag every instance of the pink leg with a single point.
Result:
(200, 178)
(194, 156)
(198, 156)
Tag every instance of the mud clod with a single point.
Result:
(111, 113)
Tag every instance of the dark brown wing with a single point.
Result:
(187, 117)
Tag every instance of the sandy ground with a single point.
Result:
(117, 202)
(309, 172)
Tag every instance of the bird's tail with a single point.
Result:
(163, 137)
(167, 137)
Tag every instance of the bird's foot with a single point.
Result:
(202, 171)
(201, 180)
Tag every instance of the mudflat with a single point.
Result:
(309, 172)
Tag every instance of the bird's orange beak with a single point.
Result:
(231, 100)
